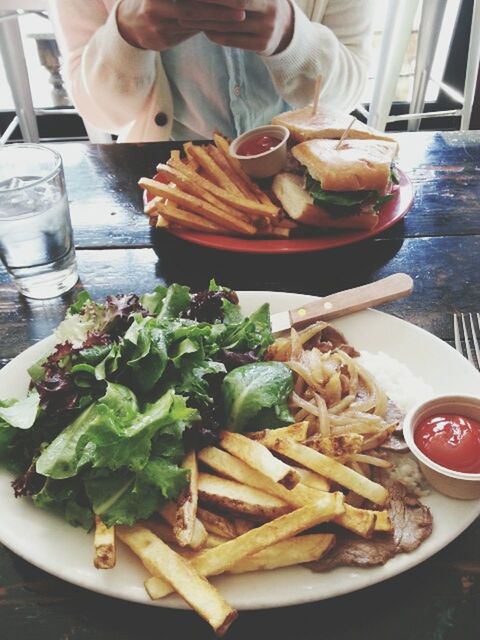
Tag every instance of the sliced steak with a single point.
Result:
(412, 523)
(395, 441)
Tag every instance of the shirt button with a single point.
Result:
(236, 90)
(161, 119)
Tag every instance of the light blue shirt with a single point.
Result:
(218, 88)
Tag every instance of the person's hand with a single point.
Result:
(157, 24)
(267, 28)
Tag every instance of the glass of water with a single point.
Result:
(36, 239)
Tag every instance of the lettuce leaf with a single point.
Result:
(116, 401)
(67, 499)
(167, 302)
(249, 391)
(124, 497)
(20, 414)
(340, 203)
(112, 434)
(247, 334)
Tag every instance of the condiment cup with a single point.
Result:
(455, 484)
(268, 163)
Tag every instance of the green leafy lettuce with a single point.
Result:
(107, 421)
(256, 396)
(112, 454)
(345, 203)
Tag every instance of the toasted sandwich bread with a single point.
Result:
(325, 123)
(357, 165)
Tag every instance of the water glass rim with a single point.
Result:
(41, 147)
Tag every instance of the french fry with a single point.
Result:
(224, 165)
(360, 521)
(297, 432)
(313, 480)
(216, 561)
(197, 205)
(189, 220)
(193, 188)
(306, 548)
(104, 545)
(231, 467)
(217, 524)
(161, 222)
(331, 469)
(178, 572)
(259, 457)
(169, 514)
(223, 145)
(187, 504)
(383, 522)
(277, 232)
(214, 541)
(250, 207)
(150, 209)
(211, 168)
(239, 499)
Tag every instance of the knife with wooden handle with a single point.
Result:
(342, 303)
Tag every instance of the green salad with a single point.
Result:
(132, 385)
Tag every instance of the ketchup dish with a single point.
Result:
(444, 435)
(262, 152)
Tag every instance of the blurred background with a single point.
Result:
(434, 36)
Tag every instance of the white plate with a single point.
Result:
(49, 543)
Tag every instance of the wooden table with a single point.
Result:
(438, 244)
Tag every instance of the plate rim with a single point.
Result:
(295, 598)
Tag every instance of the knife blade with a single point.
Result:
(342, 303)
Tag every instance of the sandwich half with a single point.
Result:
(338, 188)
(325, 123)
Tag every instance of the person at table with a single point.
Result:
(159, 69)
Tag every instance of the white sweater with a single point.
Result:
(124, 90)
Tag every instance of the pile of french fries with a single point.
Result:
(208, 191)
(246, 509)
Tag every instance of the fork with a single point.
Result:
(459, 319)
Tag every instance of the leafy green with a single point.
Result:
(82, 298)
(111, 434)
(125, 497)
(147, 355)
(67, 499)
(167, 302)
(20, 414)
(114, 404)
(123, 460)
(249, 333)
(343, 202)
(249, 391)
(337, 198)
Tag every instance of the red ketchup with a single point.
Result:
(257, 144)
(451, 441)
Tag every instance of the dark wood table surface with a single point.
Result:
(438, 243)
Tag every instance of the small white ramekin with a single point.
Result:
(268, 163)
(455, 484)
